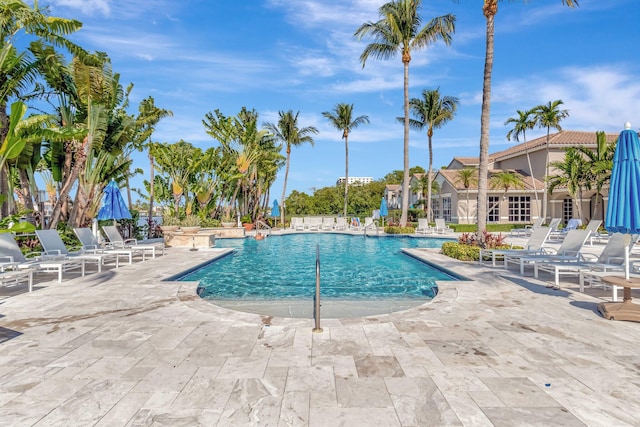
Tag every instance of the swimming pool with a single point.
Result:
(352, 267)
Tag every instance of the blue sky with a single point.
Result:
(195, 56)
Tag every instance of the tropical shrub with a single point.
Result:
(460, 251)
(467, 248)
(393, 229)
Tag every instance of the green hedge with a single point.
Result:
(399, 230)
(461, 252)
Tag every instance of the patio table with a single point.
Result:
(625, 310)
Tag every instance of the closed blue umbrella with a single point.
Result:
(384, 211)
(623, 213)
(623, 208)
(275, 211)
(113, 206)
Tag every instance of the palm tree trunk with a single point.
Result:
(429, 179)
(284, 187)
(4, 171)
(129, 192)
(151, 188)
(405, 181)
(346, 173)
(468, 207)
(483, 169)
(545, 196)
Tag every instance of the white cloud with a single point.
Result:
(87, 7)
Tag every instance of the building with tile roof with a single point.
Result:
(518, 205)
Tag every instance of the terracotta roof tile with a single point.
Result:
(563, 138)
(451, 175)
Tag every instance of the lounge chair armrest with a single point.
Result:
(54, 252)
(131, 241)
(615, 260)
(35, 255)
(48, 257)
(6, 259)
(589, 257)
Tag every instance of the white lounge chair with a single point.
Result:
(16, 277)
(312, 223)
(91, 245)
(560, 234)
(441, 227)
(296, 223)
(554, 224)
(533, 246)
(526, 231)
(328, 223)
(568, 251)
(116, 241)
(423, 226)
(611, 259)
(54, 247)
(12, 258)
(341, 223)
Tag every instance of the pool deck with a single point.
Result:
(124, 348)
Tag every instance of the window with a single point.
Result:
(435, 208)
(446, 208)
(567, 210)
(519, 209)
(493, 209)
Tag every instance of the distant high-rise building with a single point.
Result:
(356, 180)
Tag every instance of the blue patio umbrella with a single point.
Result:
(275, 211)
(113, 206)
(623, 214)
(384, 211)
(623, 207)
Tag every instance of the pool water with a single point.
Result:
(351, 267)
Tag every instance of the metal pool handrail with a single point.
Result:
(373, 224)
(316, 298)
(261, 225)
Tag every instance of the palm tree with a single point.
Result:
(342, 119)
(287, 131)
(549, 116)
(148, 117)
(521, 124)
(399, 30)
(431, 112)
(489, 10)
(17, 70)
(600, 163)
(573, 173)
(467, 177)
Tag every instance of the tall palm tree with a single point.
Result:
(573, 173)
(287, 131)
(489, 10)
(549, 116)
(467, 177)
(399, 31)
(431, 111)
(599, 163)
(148, 117)
(342, 119)
(521, 124)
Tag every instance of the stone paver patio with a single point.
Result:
(124, 348)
